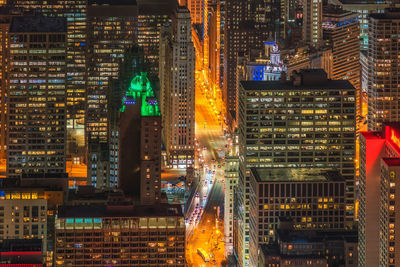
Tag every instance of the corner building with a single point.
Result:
(307, 123)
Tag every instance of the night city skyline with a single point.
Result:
(249, 133)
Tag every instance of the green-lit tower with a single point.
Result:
(140, 142)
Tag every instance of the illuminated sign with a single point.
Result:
(347, 21)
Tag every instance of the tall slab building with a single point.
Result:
(383, 68)
(307, 123)
(178, 89)
(75, 13)
(36, 96)
(140, 142)
(341, 31)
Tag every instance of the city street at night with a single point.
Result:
(207, 233)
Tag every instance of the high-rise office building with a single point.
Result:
(178, 90)
(75, 13)
(242, 34)
(341, 32)
(312, 21)
(111, 31)
(383, 68)
(152, 14)
(235, 15)
(36, 96)
(364, 8)
(120, 236)
(140, 142)
(5, 19)
(307, 123)
(379, 166)
(311, 198)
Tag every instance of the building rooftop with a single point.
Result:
(337, 11)
(392, 162)
(362, 2)
(159, 210)
(371, 135)
(157, 7)
(113, 2)
(306, 79)
(390, 14)
(38, 24)
(312, 236)
(295, 174)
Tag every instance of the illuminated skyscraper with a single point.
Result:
(5, 20)
(304, 124)
(383, 68)
(312, 21)
(178, 91)
(341, 31)
(235, 15)
(75, 12)
(243, 32)
(379, 170)
(153, 14)
(36, 96)
(364, 8)
(111, 31)
(140, 142)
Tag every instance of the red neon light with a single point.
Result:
(394, 138)
(20, 253)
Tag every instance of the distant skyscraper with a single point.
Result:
(312, 21)
(242, 34)
(341, 31)
(140, 142)
(152, 15)
(178, 90)
(235, 15)
(383, 68)
(364, 8)
(111, 31)
(300, 124)
(36, 96)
